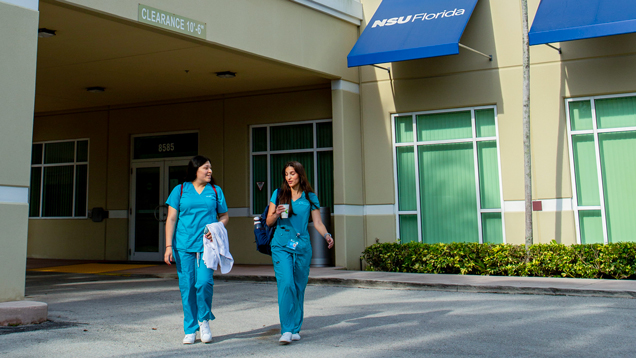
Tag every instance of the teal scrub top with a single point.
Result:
(299, 221)
(195, 211)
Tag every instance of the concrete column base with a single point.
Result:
(22, 312)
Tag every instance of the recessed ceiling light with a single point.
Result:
(95, 89)
(226, 74)
(44, 32)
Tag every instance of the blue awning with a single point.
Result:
(566, 20)
(404, 30)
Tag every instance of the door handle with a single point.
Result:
(156, 213)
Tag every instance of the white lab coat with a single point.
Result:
(216, 252)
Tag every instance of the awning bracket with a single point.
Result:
(388, 69)
(489, 57)
(556, 48)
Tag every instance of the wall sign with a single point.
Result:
(166, 146)
(169, 21)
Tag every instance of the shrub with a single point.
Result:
(616, 260)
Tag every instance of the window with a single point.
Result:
(448, 187)
(602, 139)
(310, 143)
(59, 179)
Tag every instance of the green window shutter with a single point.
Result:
(324, 134)
(406, 179)
(325, 179)
(62, 152)
(488, 175)
(404, 129)
(259, 139)
(81, 182)
(260, 198)
(616, 112)
(491, 227)
(485, 123)
(57, 198)
(278, 161)
(34, 192)
(618, 166)
(443, 126)
(298, 136)
(585, 170)
(591, 226)
(408, 228)
(580, 115)
(447, 193)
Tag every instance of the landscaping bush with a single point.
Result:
(617, 260)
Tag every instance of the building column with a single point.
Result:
(19, 28)
(348, 177)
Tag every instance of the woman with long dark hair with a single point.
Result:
(291, 246)
(195, 203)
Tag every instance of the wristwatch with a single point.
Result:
(325, 237)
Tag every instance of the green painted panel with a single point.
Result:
(488, 175)
(585, 170)
(616, 112)
(491, 227)
(259, 175)
(443, 126)
(259, 139)
(57, 197)
(591, 225)
(408, 228)
(485, 123)
(580, 115)
(59, 152)
(298, 136)
(447, 193)
(406, 178)
(618, 166)
(404, 129)
(34, 192)
(325, 179)
(324, 134)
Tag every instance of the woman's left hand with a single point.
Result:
(208, 236)
(329, 240)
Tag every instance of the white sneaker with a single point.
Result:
(295, 337)
(189, 338)
(285, 338)
(206, 335)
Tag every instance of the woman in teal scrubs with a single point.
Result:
(291, 247)
(198, 203)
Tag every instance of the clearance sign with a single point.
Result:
(170, 21)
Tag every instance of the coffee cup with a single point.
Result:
(285, 213)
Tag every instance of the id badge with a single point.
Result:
(292, 244)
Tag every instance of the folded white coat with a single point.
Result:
(216, 252)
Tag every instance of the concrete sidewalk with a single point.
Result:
(339, 277)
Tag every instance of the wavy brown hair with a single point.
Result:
(284, 193)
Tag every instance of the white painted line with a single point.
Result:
(550, 205)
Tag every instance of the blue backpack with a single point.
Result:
(263, 236)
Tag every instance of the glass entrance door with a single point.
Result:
(151, 184)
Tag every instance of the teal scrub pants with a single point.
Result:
(292, 274)
(196, 284)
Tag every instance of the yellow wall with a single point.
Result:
(587, 67)
(223, 126)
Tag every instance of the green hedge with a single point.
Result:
(616, 260)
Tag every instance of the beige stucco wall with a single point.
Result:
(280, 30)
(223, 126)
(17, 88)
(587, 67)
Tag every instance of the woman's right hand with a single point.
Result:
(279, 210)
(167, 257)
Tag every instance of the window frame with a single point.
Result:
(595, 132)
(75, 163)
(474, 140)
(315, 150)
